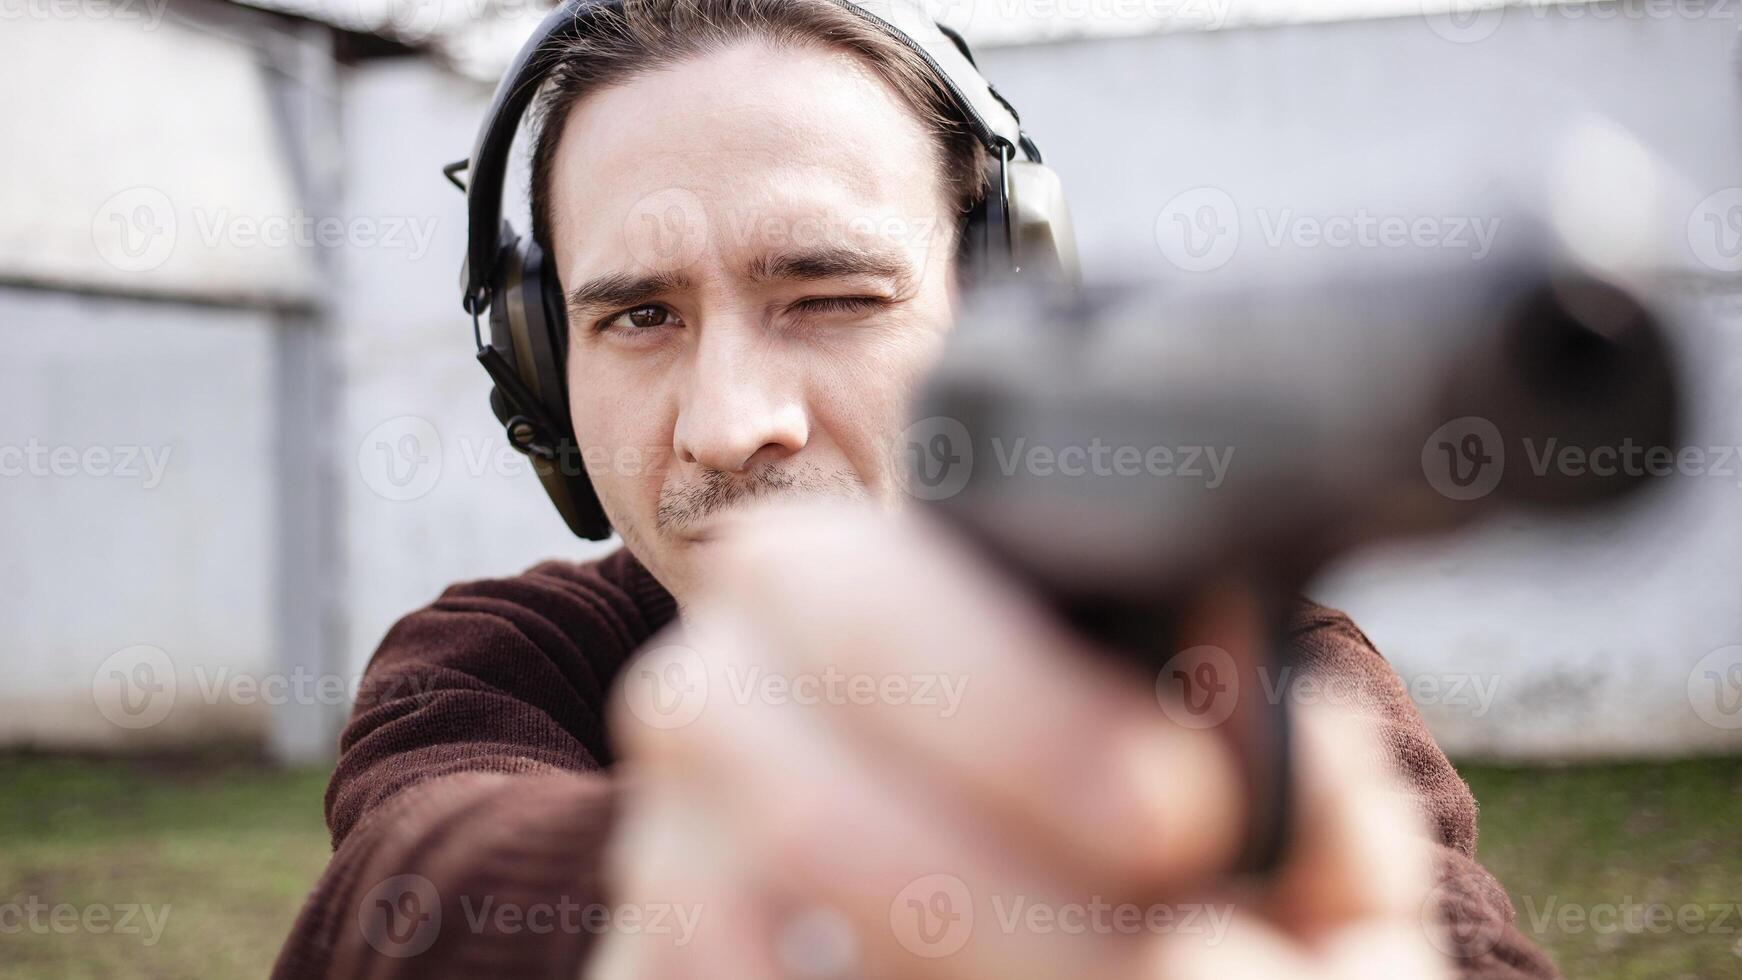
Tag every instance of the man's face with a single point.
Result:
(757, 253)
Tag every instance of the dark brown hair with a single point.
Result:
(649, 35)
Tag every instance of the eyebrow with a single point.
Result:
(619, 289)
(616, 290)
(832, 262)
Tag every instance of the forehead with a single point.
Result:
(734, 147)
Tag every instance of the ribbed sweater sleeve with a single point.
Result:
(470, 804)
(1474, 919)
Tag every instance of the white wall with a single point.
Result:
(149, 482)
(154, 163)
(163, 541)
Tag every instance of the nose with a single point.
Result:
(742, 406)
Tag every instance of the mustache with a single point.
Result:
(685, 506)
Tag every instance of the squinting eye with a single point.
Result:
(640, 318)
(842, 304)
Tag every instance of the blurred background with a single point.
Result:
(241, 429)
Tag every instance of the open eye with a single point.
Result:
(647, 316)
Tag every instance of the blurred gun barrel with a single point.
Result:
(1118, 444)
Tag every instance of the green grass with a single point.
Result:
(1585, 842)
(231, 849)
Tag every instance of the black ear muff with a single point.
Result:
(527, 357)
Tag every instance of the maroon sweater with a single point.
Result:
(472, 784)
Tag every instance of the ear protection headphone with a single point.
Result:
(1021, 227)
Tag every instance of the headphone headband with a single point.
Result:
(991, 118)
